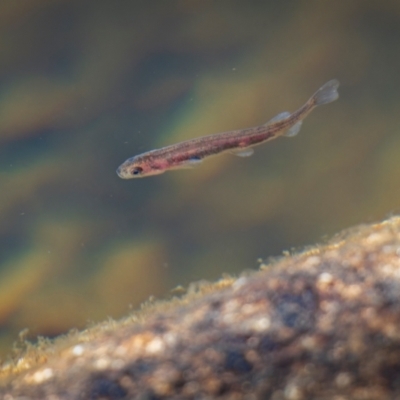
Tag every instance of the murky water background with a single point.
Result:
(84, 85)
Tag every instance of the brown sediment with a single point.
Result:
(322, 324)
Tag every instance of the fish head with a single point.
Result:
(138, 167)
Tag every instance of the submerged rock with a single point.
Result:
(321, 324)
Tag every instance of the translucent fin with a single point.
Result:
(243, 152)
(327, 93)
(192, 162)
(189, 163)
(294, 130)
(279, 117)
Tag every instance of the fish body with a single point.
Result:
(192, 152)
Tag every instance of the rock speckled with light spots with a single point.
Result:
(322, 324)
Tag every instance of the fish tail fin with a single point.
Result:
(326, 93)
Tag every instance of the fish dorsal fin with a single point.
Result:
(243, 152)
(294, 130)
(280, 117)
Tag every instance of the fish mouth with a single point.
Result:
(122, 173)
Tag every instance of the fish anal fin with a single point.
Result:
(243, 152)
(294, 130)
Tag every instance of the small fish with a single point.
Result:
(193, 151)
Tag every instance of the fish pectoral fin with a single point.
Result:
(243, 152)
(294, 130)
(279, 117)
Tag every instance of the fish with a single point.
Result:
(192, 152)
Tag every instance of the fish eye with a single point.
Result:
(137, 171)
